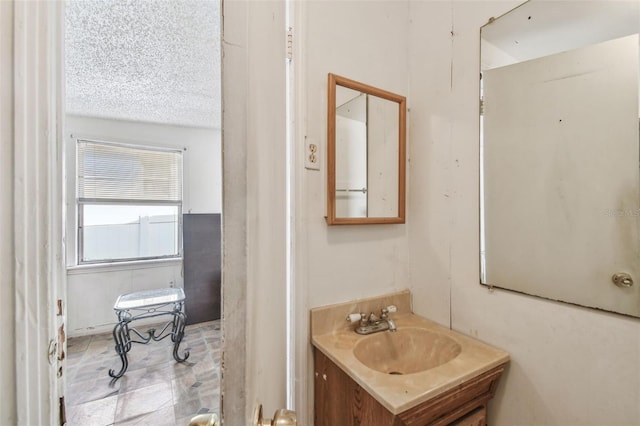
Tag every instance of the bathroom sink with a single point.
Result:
(419, 362)
(406, 351)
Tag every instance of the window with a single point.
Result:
(129, 202)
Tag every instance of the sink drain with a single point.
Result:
(395, 373)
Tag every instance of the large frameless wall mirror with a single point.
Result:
(560, 179)
(366, 134)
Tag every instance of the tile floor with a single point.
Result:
(155, 390)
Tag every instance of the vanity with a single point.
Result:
(419, 374)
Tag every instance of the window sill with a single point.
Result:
(122, 266)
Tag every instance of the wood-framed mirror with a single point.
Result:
(366, 154)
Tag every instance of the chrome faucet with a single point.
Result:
(385, 317)
(372, 323)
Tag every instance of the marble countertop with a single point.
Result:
(399, 393)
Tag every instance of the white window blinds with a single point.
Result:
(113, 172)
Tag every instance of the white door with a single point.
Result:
(38, 246)
(254, 209)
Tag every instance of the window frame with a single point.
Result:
(79, 210)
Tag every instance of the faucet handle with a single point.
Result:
(361, 317)
(388, 310)
(354, 317)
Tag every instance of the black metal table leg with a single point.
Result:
(121, 338)
(179, 320)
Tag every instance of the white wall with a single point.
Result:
(92, 290)
(347, 262)
(364, 41)
(570, 365)
(7, 286)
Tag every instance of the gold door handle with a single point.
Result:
(281, 417)
(209, 419)
(622, 279)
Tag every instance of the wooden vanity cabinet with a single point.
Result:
(340, 401)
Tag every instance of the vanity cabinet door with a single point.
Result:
(340, 401)
(330, 390)
(475, 418)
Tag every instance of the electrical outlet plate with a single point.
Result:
(311, 154)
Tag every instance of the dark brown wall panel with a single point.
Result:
(202, 266)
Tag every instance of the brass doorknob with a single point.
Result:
(281, 417)
(622, 279)
(209, 419)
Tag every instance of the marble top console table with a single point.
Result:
(139, 305)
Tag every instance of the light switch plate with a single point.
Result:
(311, 154)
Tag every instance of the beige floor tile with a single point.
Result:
(95, 413)
(154, 390)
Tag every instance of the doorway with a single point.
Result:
(252, 29)
(146, 76)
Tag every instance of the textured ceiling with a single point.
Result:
(144, 60)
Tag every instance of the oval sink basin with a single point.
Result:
(406, 351)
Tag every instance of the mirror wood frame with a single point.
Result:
(336, 80)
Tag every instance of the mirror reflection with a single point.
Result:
(351, 153)
(366, 151)
(560, 177)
